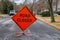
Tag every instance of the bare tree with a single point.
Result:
(51, 10)
(6, 6)
(56, 4)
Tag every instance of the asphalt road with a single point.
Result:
(38, 30)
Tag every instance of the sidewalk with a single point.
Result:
(3, 15)
(47, 20)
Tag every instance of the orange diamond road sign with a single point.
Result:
(24, 18)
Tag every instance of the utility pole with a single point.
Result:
(2, 1)
(25, 2)
(13, 4)
(56, 4)
(34, 12)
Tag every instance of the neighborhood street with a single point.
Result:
(38, 30)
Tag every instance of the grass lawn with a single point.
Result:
(3, 15)
(48, 19)
(56, 24)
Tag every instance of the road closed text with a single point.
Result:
(24, 18)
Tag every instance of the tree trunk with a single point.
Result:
(51, 10)
(56, 5)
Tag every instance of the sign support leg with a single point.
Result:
(26, 33)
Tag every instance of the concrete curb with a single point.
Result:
(2, 16)
(43, 20)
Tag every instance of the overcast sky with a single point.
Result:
(18, 1)
(21, 1)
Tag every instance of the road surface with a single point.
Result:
(38, 30)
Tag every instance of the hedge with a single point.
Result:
(45, 14)
(58, 13)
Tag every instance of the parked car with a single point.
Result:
(55, 14)
(12, 12)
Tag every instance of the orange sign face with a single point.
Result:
(24, 18)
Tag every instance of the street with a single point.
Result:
(39, 31)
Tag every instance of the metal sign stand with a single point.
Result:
(25, 33)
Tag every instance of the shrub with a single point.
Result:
(45, 14)
(58, 13)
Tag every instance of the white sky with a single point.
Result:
(19, 1)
